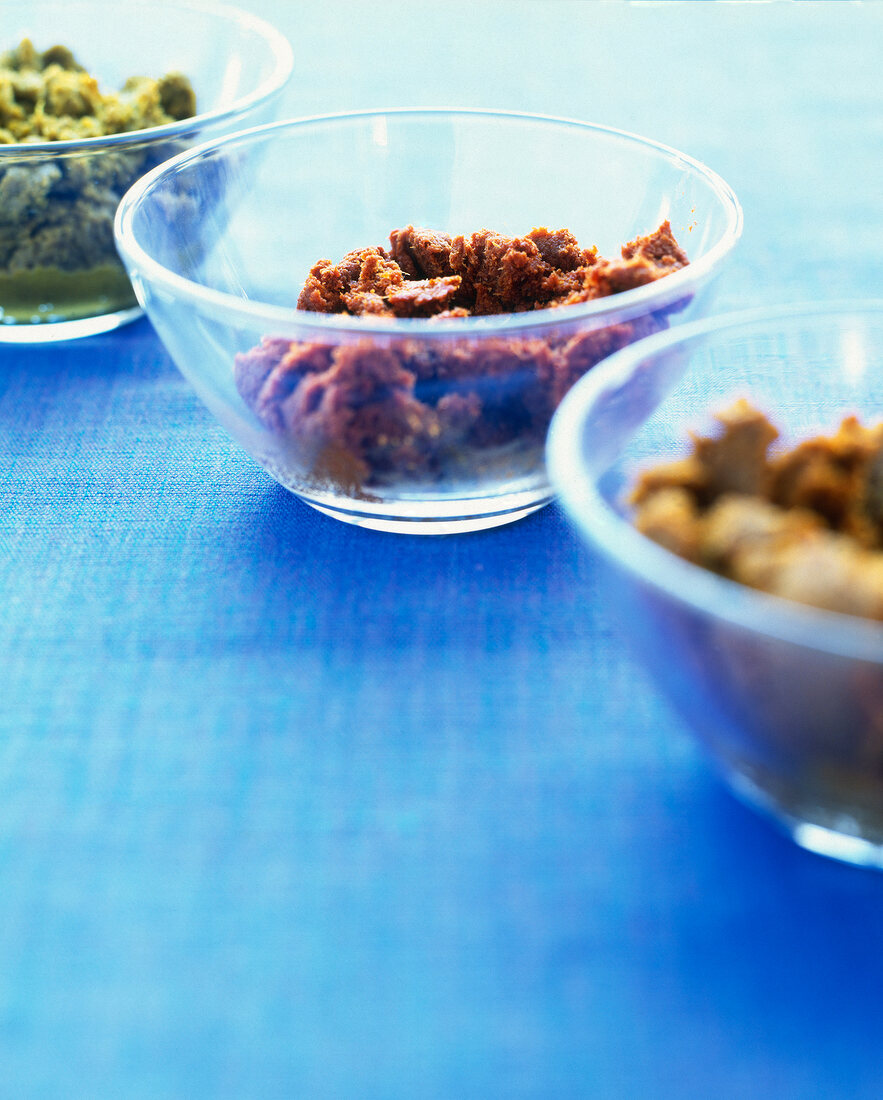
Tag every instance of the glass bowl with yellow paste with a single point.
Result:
(741, 553)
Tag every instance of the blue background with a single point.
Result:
(293, 809)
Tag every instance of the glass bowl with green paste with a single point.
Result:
(92, 96)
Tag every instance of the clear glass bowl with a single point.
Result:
(787, 699)
(442, 423)
(60, 275)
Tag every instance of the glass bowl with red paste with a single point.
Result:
(386, 308)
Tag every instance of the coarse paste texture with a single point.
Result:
(56, 211)
(370, 411)
(49, 96)
(804, 523)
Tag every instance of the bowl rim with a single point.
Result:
(283, 66)
(653, 566)
(219, 303)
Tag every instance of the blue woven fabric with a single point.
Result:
(292, 809)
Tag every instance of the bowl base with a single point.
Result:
(426, 524)
(835, 836)
(836, 845)
(48, 332)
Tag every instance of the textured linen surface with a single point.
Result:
(293, 809)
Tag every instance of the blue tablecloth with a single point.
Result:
(290, 809)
